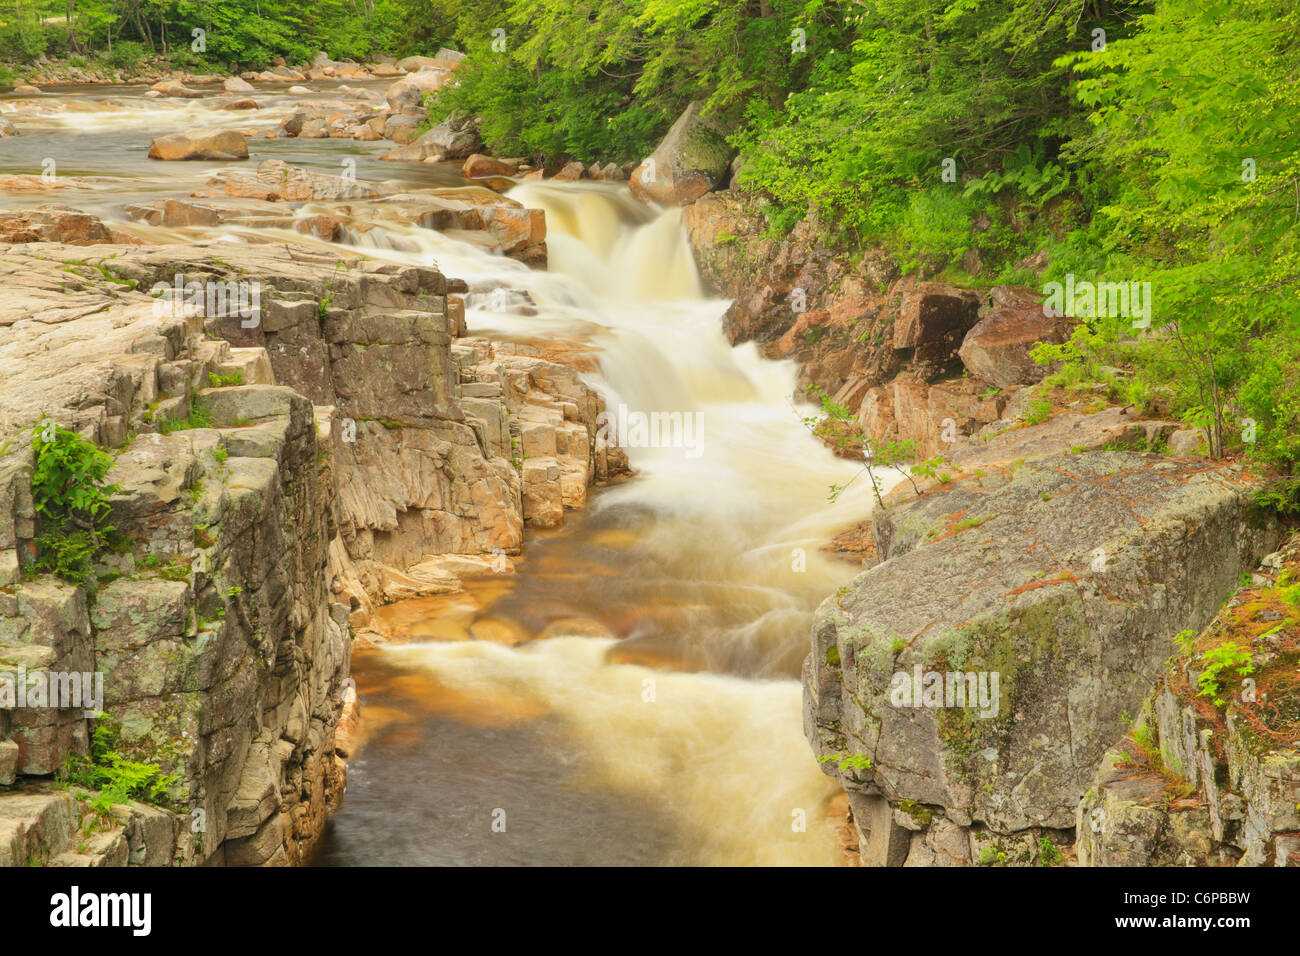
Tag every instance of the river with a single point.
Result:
(630, 696)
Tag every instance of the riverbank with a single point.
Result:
(404, 449)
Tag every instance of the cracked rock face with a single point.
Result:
(1067, 578)
(348, 444)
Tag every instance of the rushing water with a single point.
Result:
(631, 695)
(659, 720)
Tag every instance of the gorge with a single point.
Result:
(399, 581)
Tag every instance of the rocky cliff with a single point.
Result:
(974, 688)
(280, 470)
(1209, 775)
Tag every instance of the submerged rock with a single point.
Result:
(277, 181)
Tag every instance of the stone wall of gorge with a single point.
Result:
(278, 478)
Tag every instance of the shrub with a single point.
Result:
(125, 55)
(70, 493)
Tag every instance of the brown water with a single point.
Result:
(630, 696)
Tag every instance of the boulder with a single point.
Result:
(52, 224)
(456, 137)
(691, 160)
(1065, 578)
(1186, 442)
(402, 128)
(24, 89)
(998, 348)
(410, 90)
(174, 87)
(7, 129)
(445, 60)
(241, 104)
(479, 166)
(571, 172)
(204, 144)
(933, 319)
(233, 84)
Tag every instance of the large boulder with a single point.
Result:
(933, 318)
(445, 60)
(691, 160)
(233, 84)
(53, 224)
(479, 166)
(1065, 580)
(998, 348)
(402, 128)
(456, 137)
(410, 90)
(208, 144)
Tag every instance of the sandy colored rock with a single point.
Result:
(478, 166)
(53, 224)
(277, 181)
(174, 87)
(207, 144)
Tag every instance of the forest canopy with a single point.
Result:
(1149, 142)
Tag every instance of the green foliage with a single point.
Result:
(238, 33)
(1219, 662)
(1281, 495)
(925, 86)
(221, 381)
(1049, 854)
(70, 493)
(198, 417)
(847, 762)
(117, 778)
(603, 81)
(1040, 409)
(991, 856)
(1202, 166)
(125, 55)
